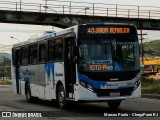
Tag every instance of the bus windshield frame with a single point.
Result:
(108, 52)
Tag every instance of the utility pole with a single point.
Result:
(142, 47)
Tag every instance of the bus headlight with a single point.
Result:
(86, 85)
(89, 87)
(136, 84)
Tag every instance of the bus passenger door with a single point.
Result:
(17, 65)
(69, 66)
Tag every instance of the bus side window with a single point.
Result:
(33, 54)
(24, 56)
(58, 52)
(16, 56)
(51, 50)
(42, 52)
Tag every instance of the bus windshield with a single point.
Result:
(106, 54)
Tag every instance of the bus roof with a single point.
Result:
(52, 34)
(44, 36)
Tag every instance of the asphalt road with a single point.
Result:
(90, 111)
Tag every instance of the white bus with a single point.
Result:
(90, 62)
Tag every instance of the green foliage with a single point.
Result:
(152, 89)
(152, 47)
(146, 82)
(150, 86)
(5, 65)
(5, 82)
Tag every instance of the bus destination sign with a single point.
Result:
(108, 30)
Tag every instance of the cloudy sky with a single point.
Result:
(23, 32)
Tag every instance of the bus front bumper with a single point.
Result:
(83, 94)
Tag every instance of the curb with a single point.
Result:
(151, 96)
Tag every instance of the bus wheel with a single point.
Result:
(114, 104)
(61, 97)
(29, 98)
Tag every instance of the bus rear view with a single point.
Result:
(108, 63)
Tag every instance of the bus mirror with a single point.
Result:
(76, 53)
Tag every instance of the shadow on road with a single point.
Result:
(74, 109)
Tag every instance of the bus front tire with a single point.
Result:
(61, 97)
(29, 98)
(114, 104)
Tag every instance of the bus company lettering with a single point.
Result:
(28, 72)
(97, 67)
(59, 74)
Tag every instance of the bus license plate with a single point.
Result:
(114, 93)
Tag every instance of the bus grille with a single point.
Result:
(106, 92)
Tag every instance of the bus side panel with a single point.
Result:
(22, 87)
(37, 91)
(59, 73)
(41, 91)
(47, 92)
(50, 89)
(35, 75)
(54, 72)
(53, 93)
(49, 75)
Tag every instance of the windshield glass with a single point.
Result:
(101, 54)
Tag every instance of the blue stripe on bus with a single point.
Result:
(96, 84)
(48, 68)
(25, 79)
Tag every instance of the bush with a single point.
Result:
(5, 82)
(147, 82)
(150, 86)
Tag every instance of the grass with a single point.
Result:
(150, 86)
(5, 82)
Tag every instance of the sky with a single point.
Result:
(128, 2)
(20, 32)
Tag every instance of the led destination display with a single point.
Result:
(107, 30)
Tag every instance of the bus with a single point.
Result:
(91, 62)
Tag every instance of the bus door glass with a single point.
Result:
(69, 62)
